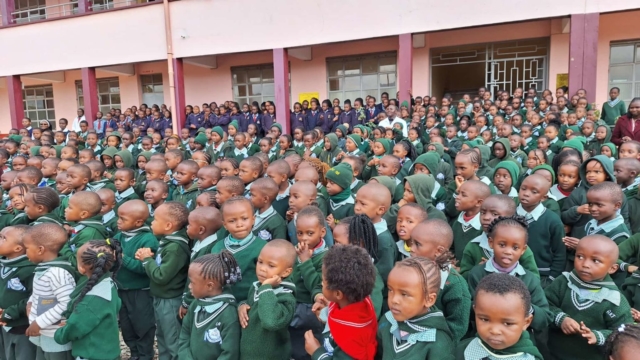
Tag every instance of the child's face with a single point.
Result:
(388, 166)
(154, 194)
(119, 162)
(246, 173)
(9, 243)
(84, 157)
(514, 142)
(601, 206)
(75, 179)
(421, 169)
(595, 173)
(406, 294)
(464, 167)
(572, 119)
(333, 188)
(388, 134)
(147, 144)
(238, 219)
(533, 191)
(500, 318)
(172, 161)
(533, 159)
(628, 151)
(551, 132)
(568, 177)
(156, 138)
(378, 149)
(92, 140)
(508, 244)
(298, 198)
(499, 151)
(451, 132)
(19, 163)
(271, 263)
(122, 181)
(366, 204)
(108, 203)
(142, 162)
(502, 180)
(265, 146)
(309, 231)
(17, 198)
(226, 169)
(486, 136)
(606, 151)
(206, 179)
(184, 175)
(408, 218)
(593, 261)
(74, 212)
(587, 129)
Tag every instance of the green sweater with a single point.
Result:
(387, 250)
(478, 248)
(307, 276)
(15, 288)
(92, 323)
(270, 225)
(425, 336)
(270, 313)
(612, 111)
(186, 196)
(122, 197)
(5, 218)
(476, 349)
(464, 232)
(83, 232)
(200, 248)
(50, 218)
(132, 275)
(602, 310)
(454, 300)
(341, 210)
(539, 304)
(246, 253)
(168, 271)
(210, 330)
(545, 241)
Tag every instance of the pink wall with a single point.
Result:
(558, 53)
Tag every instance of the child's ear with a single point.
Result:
(381, 210)
(40, 208)
(613, 269)
(132, 182)
(168, 226)
(139, 222)
(201, 229)
(165, 196)
(286, 272)
(527, 321)
(430, 300)
(618, 205)
(84, 214)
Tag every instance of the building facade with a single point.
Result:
(58, 56)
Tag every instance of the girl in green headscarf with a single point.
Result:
(609, 150)
(364, 134)
(381, 147)
(331, 152)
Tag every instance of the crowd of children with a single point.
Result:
(500, 226)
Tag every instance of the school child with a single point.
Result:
(167, 273)
(15, 289)
(341, 203)
(551, 132)
(187, 186)
(406, 153)
(357, 166)
(502, 305)
(84, 211)
(98, 181)
(409, 215)
(622, 343)
(432, 239)
(251, 169)
(546, 232)
(49, 172)
(210, 328)
(311, 147)
(77, 178)
(53, 282)
(380, 148)
(500, 153)
(40, 204)
(415, 137)
(609, 150)
(630, 149)
(627, 171)
(603, 136)
(515, 143)
(136, 314)
(431, 164)
(331, 154)
(505, 177)
(585, 303)
(16, 196)
(268, 224)
(350, 317)
(278, 171)
(613, 108)
(409, 320)
(568, 179)
(123, 180)
(452, 144)
(107, 159)
(208, 177)
(508, 239)
(109, 216)
(373, 201)
(467, 226)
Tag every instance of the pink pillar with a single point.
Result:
(281, 82)
(181, 103)
(16, 103)
(583, 51)
(90, 94)
(405, 67)
(7, 7)
(84, 6)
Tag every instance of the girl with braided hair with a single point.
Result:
(210, 329)
(92, 313)
(39, 204)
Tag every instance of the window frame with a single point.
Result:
(633, 83)
(101, 107)
(35, 120)
(363, 90)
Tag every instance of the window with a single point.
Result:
(38, 104)
(108, 94)
(359, 76)
(253, 83)
(30, 10)
(624, 70)
(152, 90)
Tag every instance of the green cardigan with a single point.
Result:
(246, 254)
(478, 248)
(476, 349)
(15, 289)
(168, 271)
(132, 275)
(270, 225)
(83, 232)
(454, 300)
(307, 276)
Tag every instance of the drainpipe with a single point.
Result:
(172, 86)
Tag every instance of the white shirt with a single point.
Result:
(75, 126)
(389, 124)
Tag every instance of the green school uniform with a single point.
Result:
(479, 248)
(454, 300)
(168, 271)
(495, 161)
(387, 250)
(110, 221)
(612, 110)
(210, 329)
(329, 156)
(463, 232)
(110, 152)
(520, 156)
(5, 218)
(101, 184)
(454, 146)
(281, 203)
(546, 232)
(83, 232)
(539, 302)
(50, 218)
(216, 151)
(200, 248)
(476, 349)
(246, 252)
(15, 289)
(322, 198)
(407, 165)
(307, 275)
(92, 322)
(271, 311)
(425, 336)
(19, 218)
(614, 229)
(632, 190)
(599, 304)
(132, 274)
(186, 196)
(122, 197)
(629, 254)
(270, 225)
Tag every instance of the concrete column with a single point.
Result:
(281, 83)
(181, 103)
(16, 100)
(90, 94)
(405, 67)
(583, 54)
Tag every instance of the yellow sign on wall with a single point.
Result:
(308, 96)
(562, 80)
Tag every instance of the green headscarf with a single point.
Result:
(234, 124)
(356, 139)
(327, 156)
(430, 160)
(574, 143)
(34, 150)
(422, 186)
(614, 151)
(386, 144)
(277, 125)
(116, 134)
(16, 138)
(512, 168)
(607, 165)
(548, 168)
(439, 148)
(126, 157)
(388, 182)
(145, 154)
(109, 151)
(343, 129)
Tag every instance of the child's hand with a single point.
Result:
(331, 221)
(569, 326)
(107, 175)
(319, 304)
(9, 208)
(307, 154)
(311, 344)
(635, 314)
(289, 215)
(62, 323)
(459, 181)
(402, 202)
(143, 253)
(587, 334)
(28, 308)
(570, 242)
(182, 312)
(631, 269)
(273, 281)
(166, 178)
(371, 162)
(304, 253)
(282, 151)
(33, 329)
(243, 315)
(583, 209)
(482, 261)
(339, 156)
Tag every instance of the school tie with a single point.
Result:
(371, 111)
(99, 123)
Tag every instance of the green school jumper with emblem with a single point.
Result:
(92, 322)
(16, 280)
(545, 240)
(210, 329)
(425, 336)
(342, 209)
(629, 255)
(281, 203)
(186, 196)
(464, 232)
(614, 229)
(110, 221)
(50, 218)
(20, 218)
(121, 197)
(479, 248)
(271, 311)
(270, 225)
(246, 252)
(454, 300)
(200, 248)
(322, 198)
(539, 304)
(168, 271)
(599, 304)
(101, 184)
(387, 250)
(632, 190)
(307, 276)
(476, 349)
(132, 275)
(83, 232)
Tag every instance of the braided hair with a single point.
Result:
(409, 148)
(362, 233)
(101, 256)
(512, 221)
(234, 163)
(221, 267)
(474, 156)
(619, 338)
(428, 270)
(207, 156)
(46, 197)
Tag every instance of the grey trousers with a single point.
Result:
(16, 347)
(168, 327)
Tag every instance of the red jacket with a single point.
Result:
(623, 128)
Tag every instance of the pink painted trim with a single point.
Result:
(405, 67)
(84, 6)
(583, 53)
(281, 83)
(90, 94)
(16, 101)
(181, 102)
(576, 52)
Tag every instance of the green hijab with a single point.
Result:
(343, 129)
(327, 156)
(511, 167)
(430, 160)
(422, 186)
(614, 150)
(126, 156)
(110, 151)
(606, 163)
(574, 143)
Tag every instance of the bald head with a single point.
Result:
(377, 193)
(476, 187)
(136, 208)
(599, 244)
(435, 231)
(306, 187)
(307, 173)
(208, 217)
(284, 248)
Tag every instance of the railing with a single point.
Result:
(66, 9)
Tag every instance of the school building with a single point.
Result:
(57, 56)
